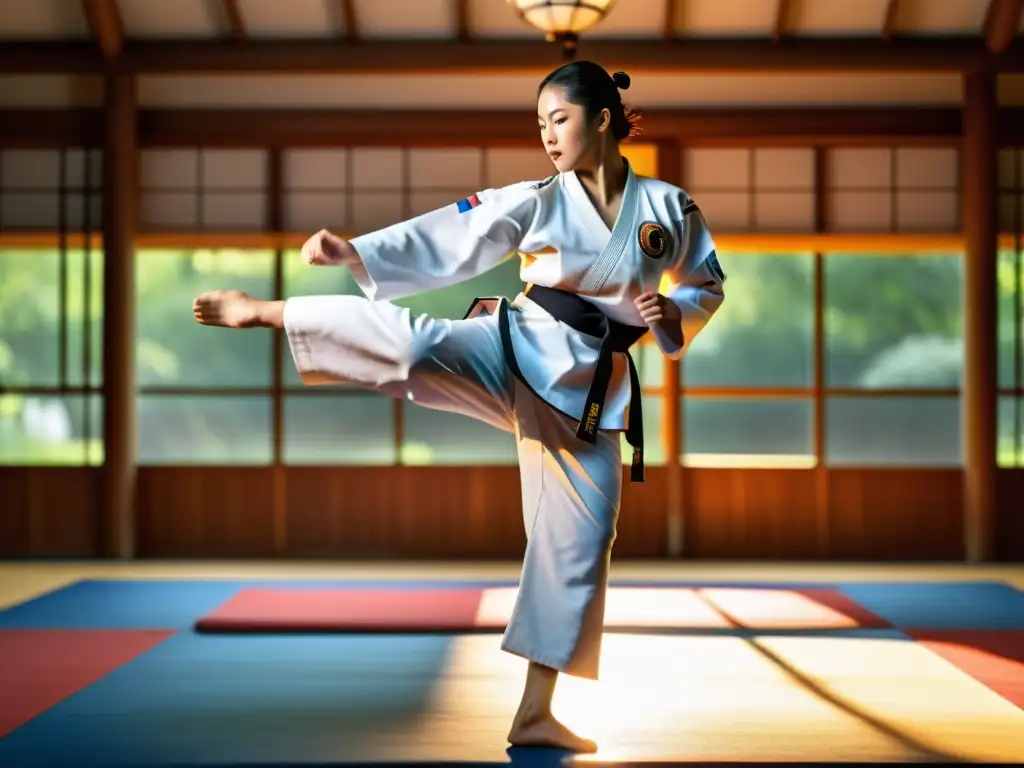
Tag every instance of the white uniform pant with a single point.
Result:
(571, 489)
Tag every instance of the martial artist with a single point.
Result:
(552, 366)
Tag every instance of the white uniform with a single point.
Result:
(571, 487)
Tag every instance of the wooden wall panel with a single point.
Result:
(205, 512)
(750, 513)
(449, 512)
(346, 512)
(895, 514)
(405, 512)
(642, 528)
(1010, 515)
(48, 511)
(438, 512)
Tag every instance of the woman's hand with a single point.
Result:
(657, 310)
(327, 250)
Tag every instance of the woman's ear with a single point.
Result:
(604, 120)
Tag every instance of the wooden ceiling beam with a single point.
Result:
(1001, 22)
(483, 57)
(892, 8)
(317, 127)
(405, 127)
(106, 25)
(236, 24)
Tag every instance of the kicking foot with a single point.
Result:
(546, 731)
(228, 309)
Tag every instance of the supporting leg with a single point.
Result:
(571, 494)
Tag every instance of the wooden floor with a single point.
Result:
(669, 698)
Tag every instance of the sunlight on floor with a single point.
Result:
(913, 689)
(721, 698)
(776, 608)
(626, 607)
(712, 608)
(668, 697)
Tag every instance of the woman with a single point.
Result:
(551, 367)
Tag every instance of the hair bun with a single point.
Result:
(621, 80)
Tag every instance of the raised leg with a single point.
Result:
(456, 366)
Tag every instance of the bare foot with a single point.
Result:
(228, 309)
(546, 731)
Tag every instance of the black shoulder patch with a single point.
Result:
(541, 184)
(690, 208)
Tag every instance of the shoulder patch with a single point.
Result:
(468, 204)
(544, 183)
(690, 208)
(715, 266)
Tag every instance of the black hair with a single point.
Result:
(588, 85)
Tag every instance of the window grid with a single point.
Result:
(72, 403)
(822, 392)
(277, 392)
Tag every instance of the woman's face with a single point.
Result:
(564, 131)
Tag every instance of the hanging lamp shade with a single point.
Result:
(562, 19)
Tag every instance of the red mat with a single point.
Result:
(994, 657)
(40, 668)
(350, 610)
(298, 610)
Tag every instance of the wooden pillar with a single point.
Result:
(119, 223)
(822, 495)
(980, 223)
(670, 170)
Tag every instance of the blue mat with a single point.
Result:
(196, 699)
(963, 605)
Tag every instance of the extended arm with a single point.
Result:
(695, 283)
(445, 246)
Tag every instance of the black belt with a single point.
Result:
(584, 317)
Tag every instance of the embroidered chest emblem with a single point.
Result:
(653, 239)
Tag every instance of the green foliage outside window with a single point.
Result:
(891, 322)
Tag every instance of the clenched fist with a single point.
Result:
(328, 250)
(655, 309)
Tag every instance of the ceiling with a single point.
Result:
(52, 20)
(411, 35)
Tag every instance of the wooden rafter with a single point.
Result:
(104, 19)
(673, 8)
(234, 16)
(783, 16)
(348, 16)
(417, 127)
(889, 22)
(484, 57)
(1001, 22)
(462, 19)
